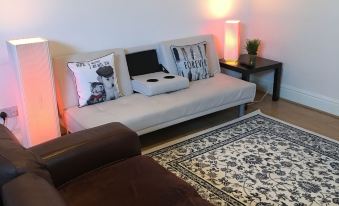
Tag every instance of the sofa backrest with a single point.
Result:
(64, 80)
(65, 84)
(16, 160)
(167, 58)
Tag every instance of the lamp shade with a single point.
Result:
(231, 44)
(38, 115)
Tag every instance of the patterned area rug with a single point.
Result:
(256, 160)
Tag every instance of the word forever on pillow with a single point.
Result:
(96, 80)
(191, 61)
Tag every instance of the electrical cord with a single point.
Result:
(260, 100)
(3, 116)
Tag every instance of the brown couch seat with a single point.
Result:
(101, 166)
(135, 181)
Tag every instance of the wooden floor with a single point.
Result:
(301, 116)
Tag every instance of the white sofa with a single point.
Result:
(145, 114)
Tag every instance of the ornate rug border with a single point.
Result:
(202, 134)
(183, 140)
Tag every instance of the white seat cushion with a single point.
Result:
(140, 112)
(142, 85)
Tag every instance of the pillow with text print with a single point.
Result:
(191, 61)
(96, 80)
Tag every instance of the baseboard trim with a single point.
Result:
(309, 99)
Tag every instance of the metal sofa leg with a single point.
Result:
(241, 110)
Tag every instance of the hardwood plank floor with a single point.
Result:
(316, 121)
(301, 116)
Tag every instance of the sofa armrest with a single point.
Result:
(30, 190)
(75, 154)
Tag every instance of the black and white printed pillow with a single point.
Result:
(96, 80)
(191, 61)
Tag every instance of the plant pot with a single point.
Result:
(252, 60)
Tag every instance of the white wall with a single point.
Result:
(303, 34)
(80, 26)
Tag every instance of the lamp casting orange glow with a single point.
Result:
(39, 121)
(231, 45)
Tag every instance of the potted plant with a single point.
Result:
(252, 49)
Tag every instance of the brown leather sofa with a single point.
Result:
(99, 166)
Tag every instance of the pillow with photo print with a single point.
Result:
(96, 80)
(191, 61)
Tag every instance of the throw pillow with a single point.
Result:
(96, 80)
(191, 61)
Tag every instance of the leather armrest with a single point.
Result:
(75, 154)
(30, 190)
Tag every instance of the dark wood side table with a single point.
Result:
(262, 64)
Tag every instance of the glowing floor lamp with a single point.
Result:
(231, 49)
(37, 105)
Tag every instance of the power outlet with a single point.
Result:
(10, 111)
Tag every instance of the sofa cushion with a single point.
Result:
(135, 181)
(191, 61)
(96, 80)
(166, 57)
(30, 190)
(16, 160)
(140, 112)
(64, 82)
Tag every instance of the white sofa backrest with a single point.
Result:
(64, 81)
(65, 85)
(167, 59)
